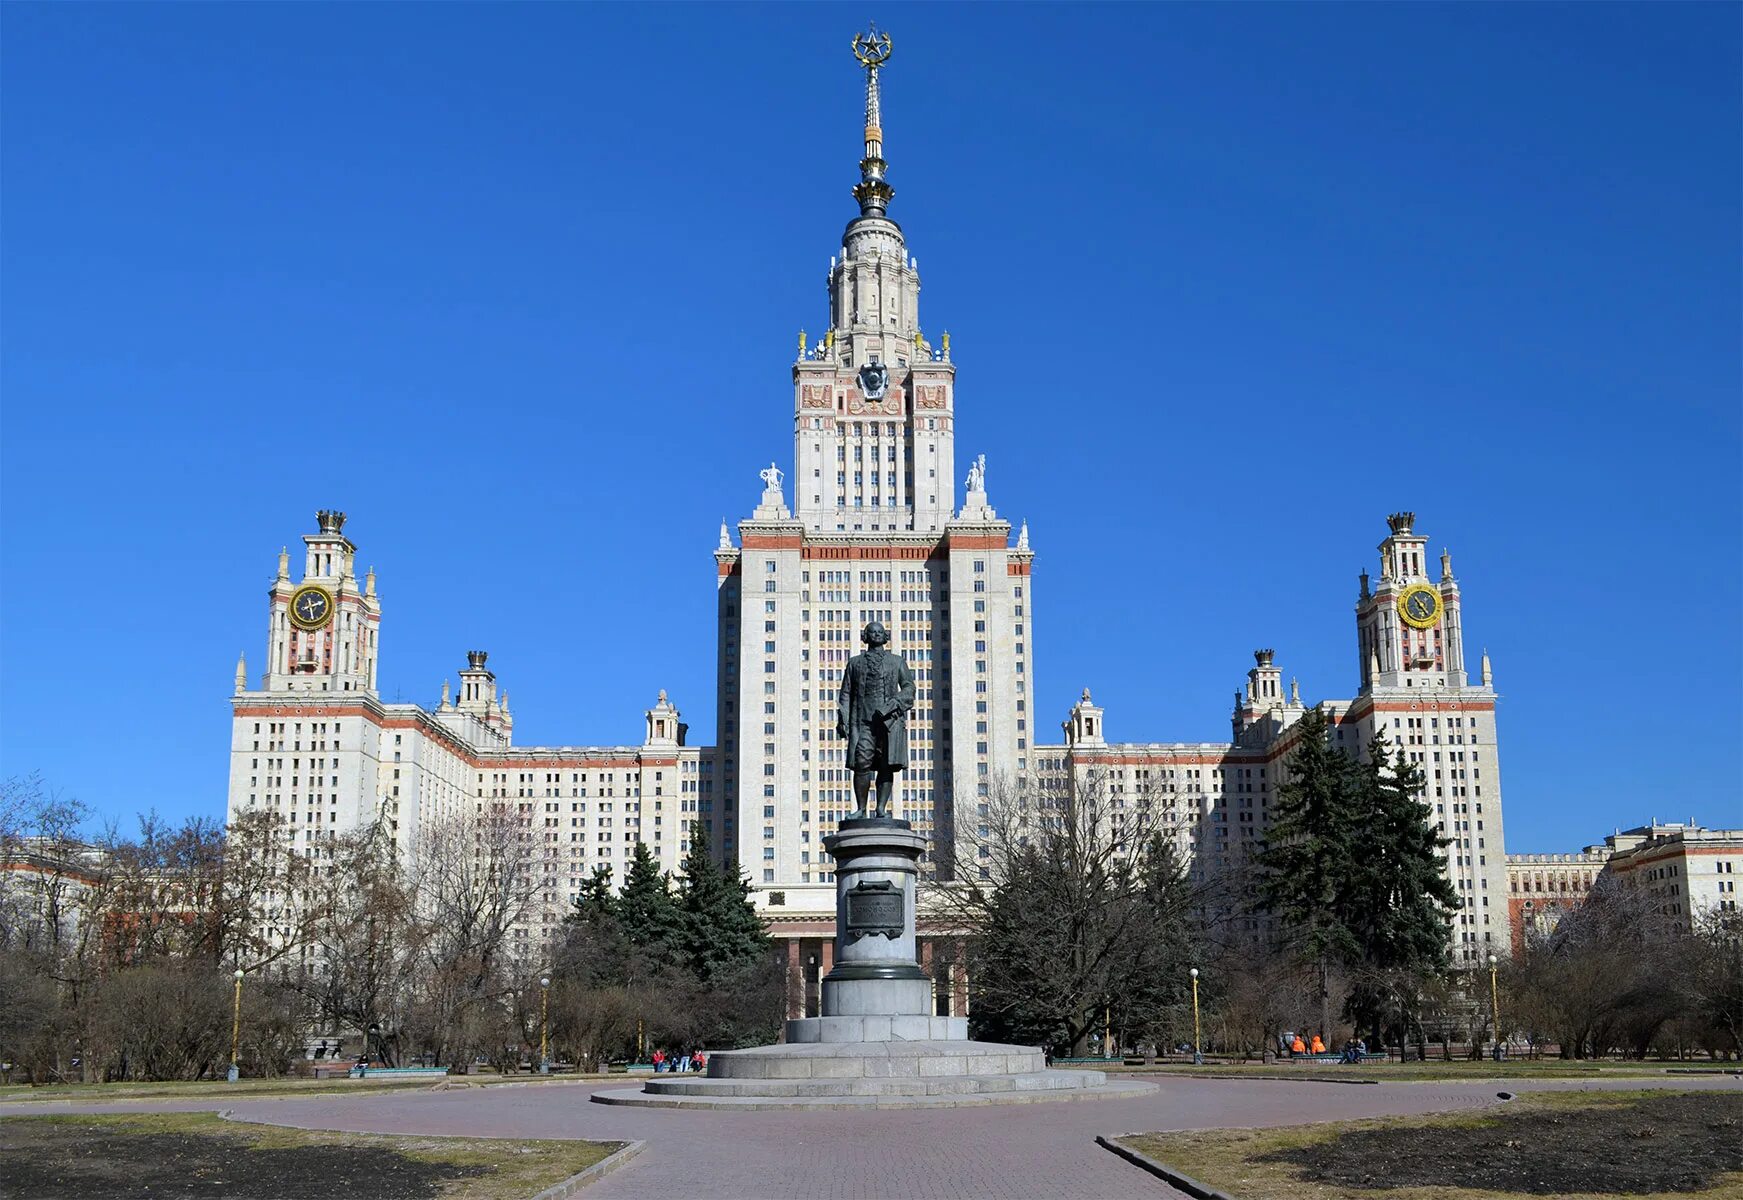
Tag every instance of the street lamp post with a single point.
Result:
(235, 1027)
(1495, 1007)
(544, 1025)
(1197, 1041)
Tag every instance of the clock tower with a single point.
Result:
(1408, 626)
(323, 628)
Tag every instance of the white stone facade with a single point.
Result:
(1414, 692)
(316, 744)
(1689, 871)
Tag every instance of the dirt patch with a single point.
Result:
(69, 1159)
(1653, 1144)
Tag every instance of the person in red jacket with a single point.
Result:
(659, 1060)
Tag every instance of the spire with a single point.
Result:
(283, 563)
(369, 583)
(725, 537)
(241, 673)
(1373, 667)
(445, 697)
(1295, 692)
(1446, 575)
(872, 49)
(1488, 671)
(1023, 537)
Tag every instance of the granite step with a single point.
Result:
(1113, 1089)
(932, 1085)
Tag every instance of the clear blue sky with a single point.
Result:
(517, 287)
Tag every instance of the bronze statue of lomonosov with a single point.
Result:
(877, 690)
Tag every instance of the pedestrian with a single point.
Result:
(701, 1061)
(659, 1061)
(1318, 1046)
(684, 1065)
(1297, 1046)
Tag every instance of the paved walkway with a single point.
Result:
(995, 1153)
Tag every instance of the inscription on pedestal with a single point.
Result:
(874, 908)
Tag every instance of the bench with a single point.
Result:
(1333, 1060)
(399, 1073)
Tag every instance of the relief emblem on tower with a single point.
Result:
(929, 396)
(814, 395)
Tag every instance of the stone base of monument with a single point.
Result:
(876, 1046)
(894, 1074)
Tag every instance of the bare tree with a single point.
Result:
(1609, 977)
(474, 884)
(362, 934)
(1081, 919)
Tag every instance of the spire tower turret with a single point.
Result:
(873, 191)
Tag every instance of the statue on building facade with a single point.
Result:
(877, 691)
(977, 474)
(771, 477)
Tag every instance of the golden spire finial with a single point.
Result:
(947, 343)
(801, 343)
(872, 49)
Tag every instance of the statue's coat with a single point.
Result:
(877, 690)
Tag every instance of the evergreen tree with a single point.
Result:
(1404, 920)
(598, 899)
(593, 950)
(1309, 862)
(722, 930)
(646, 910)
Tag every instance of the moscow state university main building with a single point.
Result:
(881, 519)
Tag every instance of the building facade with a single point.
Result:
(1689, 871)
(1541, 888)
(867, 525)
(315, 744)
(1216, 798)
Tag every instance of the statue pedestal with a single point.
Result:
(876, 992)
(878, 1043)
(877, 868)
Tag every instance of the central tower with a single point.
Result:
(873, 447)
(875, 532)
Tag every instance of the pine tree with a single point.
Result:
(1310, 860)
(1404, 920)
(723, 932)
(647, 912)
(598, 899)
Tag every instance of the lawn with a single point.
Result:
(1570, 1145)
(251, 1089)
(200, 1156)
(1417, 1072)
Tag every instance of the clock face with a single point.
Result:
(311, 607)
(873, 379)
(1419, 606)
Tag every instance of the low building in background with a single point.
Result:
(1542, 887)
(1690, 871)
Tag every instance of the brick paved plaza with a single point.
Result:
(1040, 1150)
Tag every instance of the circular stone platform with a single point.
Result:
(894, 1074)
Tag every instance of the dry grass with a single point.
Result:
(475, 1168)
(1245, 1162)
(1438, 1072)
(254, 1089)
